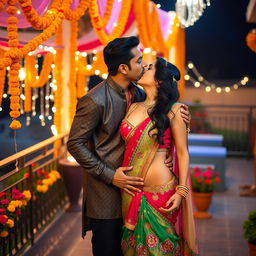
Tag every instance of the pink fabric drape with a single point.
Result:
(89, 41)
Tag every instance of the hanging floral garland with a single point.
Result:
(81, 79)
(14, 84)
(119, 26)
(58, 77)
(30, 72)
(72, 65)
(251, 40)
(2, 4)
(141, 10)
(98, 21)
(34, 43)
(2, 79)
(40, 22)
(78, 12)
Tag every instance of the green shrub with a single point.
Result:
(249, 227)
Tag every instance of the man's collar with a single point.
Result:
(117, 87)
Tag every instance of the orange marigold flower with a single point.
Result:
(12, 10)
(15, 99)
(14, 114)
(4, 233)
(10, 222)
(15, 66)
(15, 91)
(12, 20)
(13, 42)
(15, 106)
(11, 208)
(15, 125)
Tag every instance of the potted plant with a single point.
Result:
(249, 227)
(203, 183)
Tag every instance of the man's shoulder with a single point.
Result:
(97, 90)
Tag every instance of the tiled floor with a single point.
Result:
(220, 236)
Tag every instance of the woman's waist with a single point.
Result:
(166, 184)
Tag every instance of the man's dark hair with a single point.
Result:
(118, 52)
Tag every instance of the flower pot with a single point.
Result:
(252, 249)
(202, 202)
(72, 174)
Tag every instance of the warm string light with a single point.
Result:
(201, 82)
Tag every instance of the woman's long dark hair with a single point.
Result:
(167, 94)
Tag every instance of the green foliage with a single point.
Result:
(249, 227)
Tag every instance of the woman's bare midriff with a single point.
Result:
(158, 173)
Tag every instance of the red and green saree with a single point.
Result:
(147, 231)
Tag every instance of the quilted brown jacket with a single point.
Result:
(96, 144)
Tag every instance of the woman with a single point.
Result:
(158, 220)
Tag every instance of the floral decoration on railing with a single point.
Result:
(44, 179)
(204, 181)
(11, 205)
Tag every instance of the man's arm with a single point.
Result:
(84, 125)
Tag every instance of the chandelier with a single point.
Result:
(189, 11)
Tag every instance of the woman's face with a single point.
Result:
(148, 78)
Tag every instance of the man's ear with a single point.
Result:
(123, 69)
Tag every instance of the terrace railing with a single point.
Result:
(236, 123)
(31, 170)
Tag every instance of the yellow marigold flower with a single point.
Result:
(11, 208)
(19, 203)
(44, 188)
(46, 181)
(56, 173)
(52, 177)
(4, 233)
(39, 188)
(10, 222)
(27, 194)
(24, 202)
(15, 203)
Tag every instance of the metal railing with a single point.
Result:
(42, 207)
(237, 124)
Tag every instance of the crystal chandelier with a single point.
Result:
(189, 11)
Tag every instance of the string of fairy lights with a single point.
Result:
(192, 74)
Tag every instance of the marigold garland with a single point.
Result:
(81, 79)
(2, 4)
(98, 21)
(14, 84)
(34, 19)
(78, 12)
(120, 24)
(149, 27)
(2, 79)
(34, 43)
(58, 77)
(72, 73)
(251, 40)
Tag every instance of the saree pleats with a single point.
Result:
(146, 230)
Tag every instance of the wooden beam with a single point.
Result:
(251, 11)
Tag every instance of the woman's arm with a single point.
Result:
(180, 137)
(179, 133)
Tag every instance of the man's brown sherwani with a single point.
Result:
(97, 120)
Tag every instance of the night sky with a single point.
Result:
(216, 42)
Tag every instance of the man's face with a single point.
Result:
(137, 64)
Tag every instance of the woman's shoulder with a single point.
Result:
(174, 109)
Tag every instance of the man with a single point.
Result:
(97, 120)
